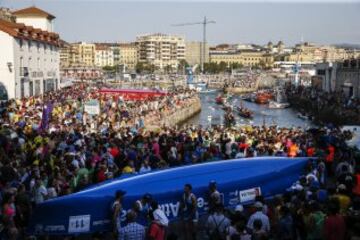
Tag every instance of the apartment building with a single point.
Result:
(69, 55)
(103, 55)
(29, 60)
(308, 52)
(128, 55)
(161, 50)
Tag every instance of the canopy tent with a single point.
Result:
(133, 94)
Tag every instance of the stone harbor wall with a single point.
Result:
(177, 115)
(184, 113)
(240, 90)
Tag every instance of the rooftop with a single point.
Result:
(33, 11)
(22, 31)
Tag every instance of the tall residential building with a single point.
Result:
(161, 50)
(69, 55)
(128, 55)
(29, 59)
(103, 55)
(193, 53)
(86, 53)
(116, 53)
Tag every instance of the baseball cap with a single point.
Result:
(239, 208)
(258, 205)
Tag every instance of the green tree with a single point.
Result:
(183, 64)
(140, 67)
(236, 66)
(109, 68)
(168, 69)
(222, 67)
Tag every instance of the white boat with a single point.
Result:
(199, 87)
(304, 117)
(278, 105)
(280, 102)
(208, 91)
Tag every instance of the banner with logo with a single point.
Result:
(238, 180)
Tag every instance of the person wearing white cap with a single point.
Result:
(260, 216)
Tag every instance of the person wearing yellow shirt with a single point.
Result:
(343, 198)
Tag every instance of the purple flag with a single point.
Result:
(46, 115)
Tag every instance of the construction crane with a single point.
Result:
(203, 49)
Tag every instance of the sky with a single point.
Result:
(260, 21)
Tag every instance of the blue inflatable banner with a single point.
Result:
(239, 181)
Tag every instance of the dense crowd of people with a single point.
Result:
(76, 150)
(249, 82)
(343, 108)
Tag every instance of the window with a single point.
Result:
(21, 43)
(29, 45)
(21, 66)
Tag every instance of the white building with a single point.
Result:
(326, 73)
(104, 56)
(29, 59)
(161, 50)
(36, 18)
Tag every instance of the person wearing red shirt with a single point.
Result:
(334, 225)
(356, 188)
(156, 231)
(310, 151)
(329, 159)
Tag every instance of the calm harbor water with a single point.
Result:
(262, 114)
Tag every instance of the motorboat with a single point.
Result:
(229, 119)
(220, 99)
(304, 116)
(208, 91)
(244, 112)
(263, 97)
(278, 105)
(240, 181)
(280, 101)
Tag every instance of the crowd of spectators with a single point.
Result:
(344, 110)
(77, 150)
(249, 82)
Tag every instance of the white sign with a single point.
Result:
(79, 224)
(92, 107)
(249, 194)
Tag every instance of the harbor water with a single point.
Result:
(262, 114)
